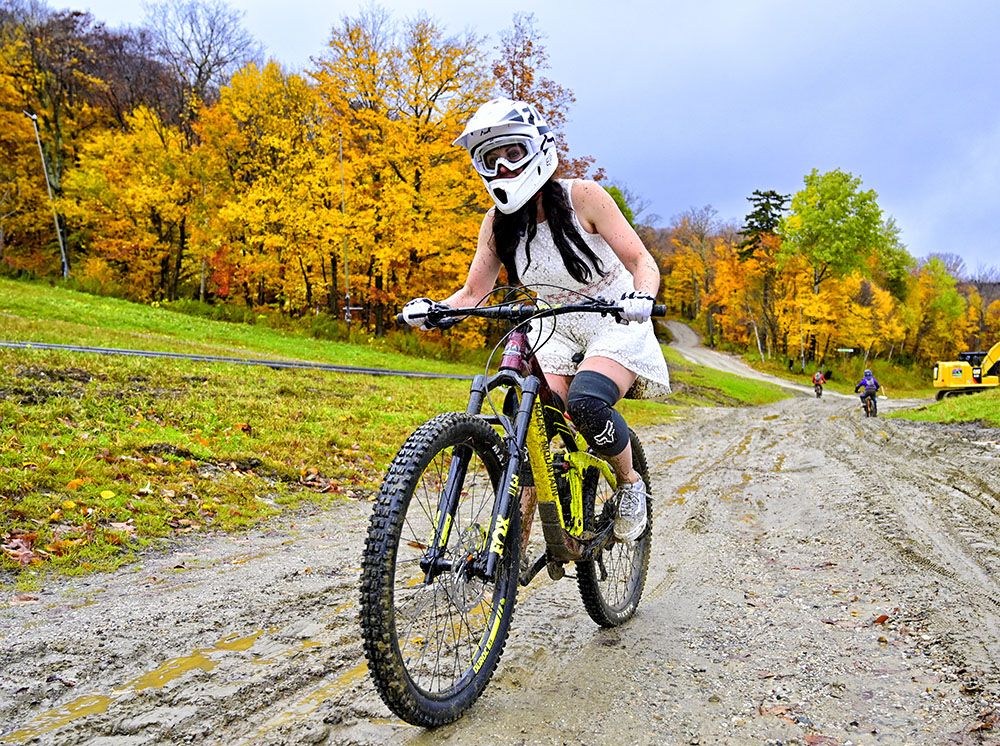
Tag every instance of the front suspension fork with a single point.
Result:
(435, 561)
(509, 500)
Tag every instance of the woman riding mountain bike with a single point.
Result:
(570, 235)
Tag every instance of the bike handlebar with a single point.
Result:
(521, 312)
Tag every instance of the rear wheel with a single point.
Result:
(433, 646)
(612, 584)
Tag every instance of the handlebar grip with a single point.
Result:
(660, 309)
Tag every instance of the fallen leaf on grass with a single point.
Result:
(20, 547)
(62, 546)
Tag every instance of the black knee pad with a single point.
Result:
(591, 401)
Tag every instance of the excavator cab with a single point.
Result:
(973, 371)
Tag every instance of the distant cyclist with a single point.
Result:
(818, 380)
(868, 385)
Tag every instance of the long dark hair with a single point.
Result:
(508, 230)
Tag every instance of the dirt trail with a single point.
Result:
(817, 578)
(687, 342)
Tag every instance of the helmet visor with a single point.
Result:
(511, 152)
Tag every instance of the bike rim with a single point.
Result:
(445, 629)
(620, 560)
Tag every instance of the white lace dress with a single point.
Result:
(633, 346)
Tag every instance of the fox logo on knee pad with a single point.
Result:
(607, 436)
(591, 404)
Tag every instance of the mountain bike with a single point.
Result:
(442, 560)
(818, 388)
(870, 405)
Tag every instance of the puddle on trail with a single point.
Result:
(47, 722)
(200, 659)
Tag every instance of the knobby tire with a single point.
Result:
(611, 593)
(432, 648)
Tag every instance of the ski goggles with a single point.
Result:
(512, 152)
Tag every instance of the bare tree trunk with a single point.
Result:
(308, 283)
(802, 344)
(175, 274)
(333, 294)
(756, 333)
(379, 308)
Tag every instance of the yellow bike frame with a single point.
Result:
(562, 532)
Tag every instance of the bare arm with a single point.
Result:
(483, 271)
(599, 213)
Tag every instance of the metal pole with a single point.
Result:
(343, 211)
(48, 186)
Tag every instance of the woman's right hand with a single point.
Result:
(419, 307)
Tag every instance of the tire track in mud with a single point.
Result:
(930, 522)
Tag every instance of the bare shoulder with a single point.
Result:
(592, 203)
(594, 206)
(588, 193)
(486, 227)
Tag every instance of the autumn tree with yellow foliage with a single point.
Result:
(398, 98)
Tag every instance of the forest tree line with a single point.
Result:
(182, 165)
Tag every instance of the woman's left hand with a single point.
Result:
(636, 306)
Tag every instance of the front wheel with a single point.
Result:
(432, 646)
(612, 584)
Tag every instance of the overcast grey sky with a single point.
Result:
(699, 102)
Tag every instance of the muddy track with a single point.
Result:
(816, 578)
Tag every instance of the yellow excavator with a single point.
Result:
(972, 372)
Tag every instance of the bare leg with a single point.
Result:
(622, 464)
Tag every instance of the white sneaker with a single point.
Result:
(631, 519)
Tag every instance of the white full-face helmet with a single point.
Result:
(512, 134)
